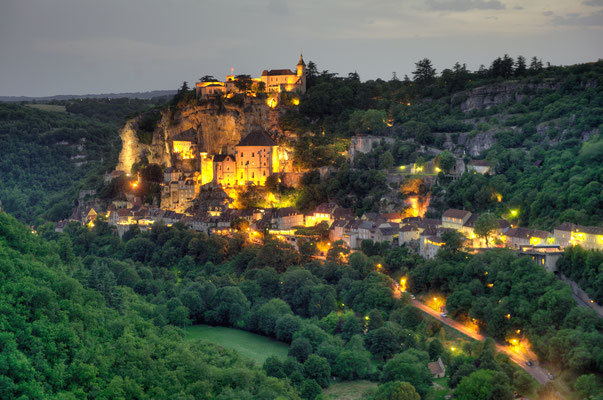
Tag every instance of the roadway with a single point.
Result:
(519, 358)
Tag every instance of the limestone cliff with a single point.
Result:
(496, 94)
(217, 126)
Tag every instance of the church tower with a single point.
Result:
(301, 73)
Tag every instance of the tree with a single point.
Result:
(338, 252)
(484, 384)
(588, 386)
(520, 66)
(454, 241)
(208, 78)
(351, 326)
(375, 320)
(485, 225)
(317, 368)
(300, 349)
(274, 367)
(307, 250)
(243, 83)
(310, 389)
(535, 65)
(351, 365)
(425, 73)
(397, 391)
(286, 326)
(386, 160)
(410, 366)
(231, 305)
(382, 342)
(435, 349)
(445, 161)
(523, 382)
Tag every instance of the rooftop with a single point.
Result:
(257, 138)
(454, 213)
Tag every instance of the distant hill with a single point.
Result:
(130, 95)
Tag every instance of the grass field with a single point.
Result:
(47, 107)
(348, 390)
(254, 347)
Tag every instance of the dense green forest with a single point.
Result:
(69, 332)
(49, 156)
(341, 320)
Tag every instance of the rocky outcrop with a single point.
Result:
(218, 127)
(493, 95)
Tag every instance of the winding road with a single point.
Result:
(539, 373)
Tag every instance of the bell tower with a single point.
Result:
(301, 73)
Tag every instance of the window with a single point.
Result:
(264, 173)
(252, 154)
(241, 175)
(252, 175)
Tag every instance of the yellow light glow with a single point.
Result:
(295, 101)
(508, 316)
(518, 331)
(452, 348)
(403, 284)
(490, 285)
(514, 212)
(437, 169)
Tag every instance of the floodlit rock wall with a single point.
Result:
(218, 127)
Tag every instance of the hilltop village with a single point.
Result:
(200, 188)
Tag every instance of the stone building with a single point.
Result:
(274, 80)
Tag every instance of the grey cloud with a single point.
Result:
(593, 3)
(279, 7)
(518, 8)
(464, 5)
(548, 13)
(572, 19)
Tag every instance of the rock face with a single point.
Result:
(493, 95)
(217, 127)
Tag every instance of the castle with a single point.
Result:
(274, 80)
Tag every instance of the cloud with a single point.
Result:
(464, 5)
(279, 7)
(548, 13)
(593, 3)
(573, 19)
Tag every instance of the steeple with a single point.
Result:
(301, 60)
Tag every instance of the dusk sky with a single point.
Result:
(50, 47)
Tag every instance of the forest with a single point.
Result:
(342, 321)
(49, 156)
(547, 150)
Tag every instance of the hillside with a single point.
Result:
(539, 130)
(68, 331)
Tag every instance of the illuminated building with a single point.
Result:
(518, 237)
(588, 237)
(455, 219)
(256, 158)
(274, 80)
(479, 166)
(184, 145)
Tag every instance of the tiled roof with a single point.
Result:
(479, 163)
(257, 138)
(274, 72)
(221, 157)
(453, 213)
